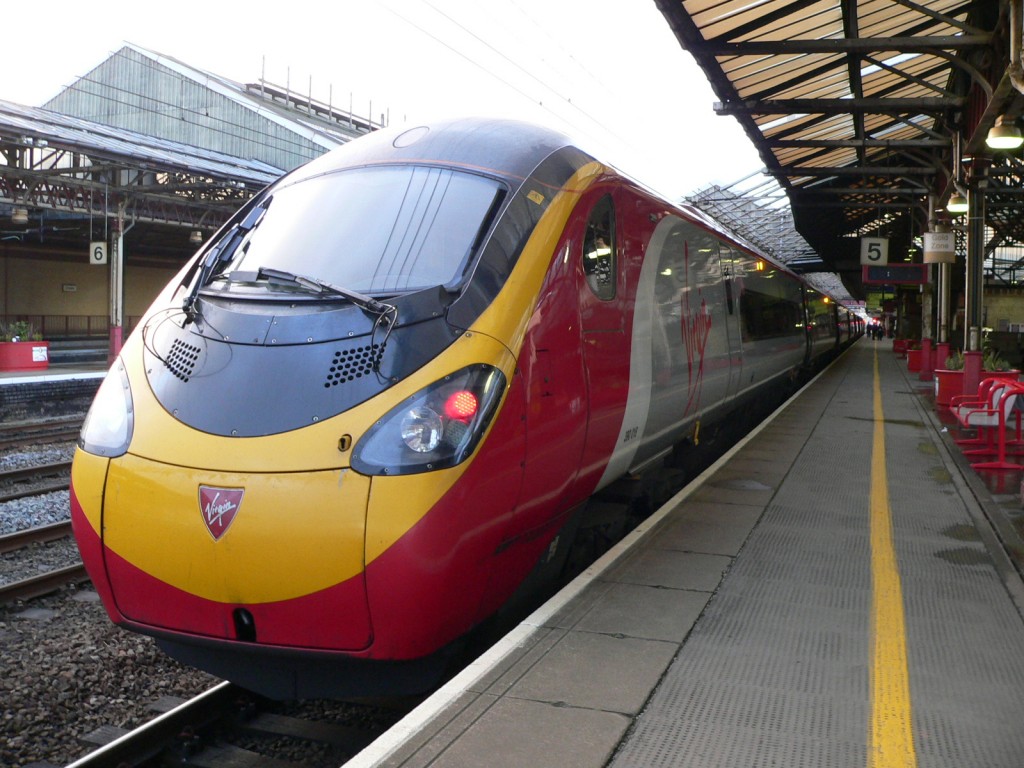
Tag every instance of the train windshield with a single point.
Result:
(377, 230)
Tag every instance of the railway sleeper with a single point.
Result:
(270, 724)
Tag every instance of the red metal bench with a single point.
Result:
(992, 417)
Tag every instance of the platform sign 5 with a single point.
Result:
(874, 250)
(98, 252)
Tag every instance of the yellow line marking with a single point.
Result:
(890, 737)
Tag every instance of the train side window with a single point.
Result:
(599, 250)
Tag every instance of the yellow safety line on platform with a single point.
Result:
(890, 738)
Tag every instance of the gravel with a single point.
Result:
(38, 454)
(36, 559)
(66, 669)
(34, 510)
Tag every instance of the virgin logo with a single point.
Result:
(218, 507)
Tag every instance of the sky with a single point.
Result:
(608, 72)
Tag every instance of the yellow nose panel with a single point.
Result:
(241, 538)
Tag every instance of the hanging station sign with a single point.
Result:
(895, 274)
(939, 247)
(97, 252)
(874, 250)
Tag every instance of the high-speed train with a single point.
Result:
(370, 411)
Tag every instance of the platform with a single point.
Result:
(62, 372)
(57, 391)
(831, 593)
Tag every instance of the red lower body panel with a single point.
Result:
(321, 620)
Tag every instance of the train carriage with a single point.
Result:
(373, 407)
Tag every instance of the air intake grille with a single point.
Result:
(181, 360)
(351, 364)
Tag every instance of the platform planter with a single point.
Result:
(899, 346)
(24, 355)
(914, 359)
(948, 384)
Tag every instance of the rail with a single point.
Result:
(11, 542)
(200, 731)
(43, 584)
(25, 433)
(150, 739)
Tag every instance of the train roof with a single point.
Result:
(508, 148)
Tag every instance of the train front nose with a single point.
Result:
(273, 559)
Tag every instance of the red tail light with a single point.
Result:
(461, 405)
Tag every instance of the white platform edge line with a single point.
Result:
(43, 378)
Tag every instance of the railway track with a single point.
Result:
(45, 583)
(39, 584)
(36, 480)
(25, 433)
(12, 542)
(42, 584)
(227, 725)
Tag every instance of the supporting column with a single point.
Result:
(943, 330)
(972, 371)
(973, 310)
(927, 327)
(927, 360)
(116, 287)
(975, 288)
(939, 252)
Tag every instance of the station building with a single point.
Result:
(108, 188)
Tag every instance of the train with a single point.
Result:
(374, 408)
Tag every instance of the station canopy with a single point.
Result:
(71, 172)
(869, 114)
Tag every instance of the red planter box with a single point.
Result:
(948, 384)
(914, 360)
(24, 355)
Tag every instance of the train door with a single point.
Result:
(555, 410)
(606, 351)
(730, 260)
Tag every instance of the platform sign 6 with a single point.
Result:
(98, 252)
(874, 250)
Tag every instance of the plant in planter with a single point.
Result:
(22, 348)
(949, 382)
(19, 330)
(992, 362)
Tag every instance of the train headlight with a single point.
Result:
(422, 429)
(436, 428)
(107, 429)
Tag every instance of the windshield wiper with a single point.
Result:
(221, 255)
(316, 285)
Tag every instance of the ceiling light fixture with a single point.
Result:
(1004, 134)
(957, 204)
(19, 216)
